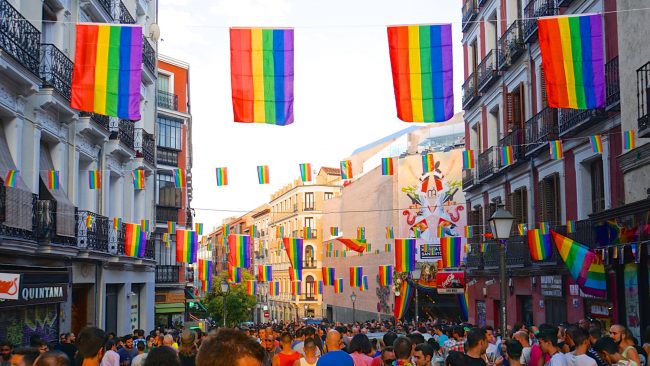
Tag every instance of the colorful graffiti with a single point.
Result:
(23, 323)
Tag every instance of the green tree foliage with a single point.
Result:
(239, 304)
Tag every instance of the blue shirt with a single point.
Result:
(442, 339)
(335, 358)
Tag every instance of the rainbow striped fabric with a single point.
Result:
(346, 169)
(319, 288)
(94, 179)
(307, 233)
(295, 274)
(570, 226)
(338, 286)
(251, 287)
(274, 288)
(463, 304)
(296, 288)
(539, 245)
(402, 301)
(179, 178)
(171, 227)
(117, 223)
(361, 233)
(334, 231)
(428, 163)
(205, 269)
(628, 140)
(279, 232)
(555, 148)
(390, 233)
(305, 172)
(53, 179)
(468, 159)
(387, 166)
(138, 178)
(11, 178)
(206, 285)
(385, 275)
(107, 70)
(584, 265)
(450, 248)
(293, 247)
(263, 174)
(357, 245)
(264, 273)
(89, 221)
(187, 246)
(222, 176)
(239, 250)
(364, 284)
(544, 228)
(261, 62)
(134, 241)
(356, 273)
(234, 274)
(421, 62)
(507, 155)
(440, 231)
(417, 232)
(387, 248)
(596, 143)
(404, 255)
(198, 227)
(145, 224)
(328, 275)
(572, 57)
(469, 231)
(522, 229)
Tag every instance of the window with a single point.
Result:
(597, 186)
(309, 201)
(329, 195)
(167, 194)
(542, 87)
(169, 132)
(515, 109)
(164, 83)
(517, 203)
(309, 288)
(309, 257)
(309, 222)
(549, 208)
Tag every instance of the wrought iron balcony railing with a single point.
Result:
(533, 10)
(144, 145)
(488, 72)
(516, 139)
(106, 5)
(167, 100)
(564, 3)
(643, 99)
(474, 258)
(56, 70)
(541, 129)
(10, 198)
(612, 85)
(94, 237)
(99, 119)
(125, 16)
(46, 218)
(148, 55)
(124, 132)
(470, 11)
(470, 91)
(468, 179)
(570, 120)
(167, 156)
(19, 38)
(309, 263)
(168, 273)
(511, 45)
(491, 254)
(487, 163)
(517, 252)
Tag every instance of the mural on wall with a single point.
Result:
(22, 323)
(431, 200)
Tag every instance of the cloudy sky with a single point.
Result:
(343, 88)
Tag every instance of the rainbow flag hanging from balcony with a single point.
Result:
(307, 233)
(387, 167)
(251, 287)
(279, 232)
(222, 176)
(179, 178)
(296, 288)
(463, 303)
(11, 179)
(319, 288)
(134, 242)
(422, 67)
(357, 245)
(555, 148)
(628, 140)
(53, 179)
(145, 225)
(117, 223)
(239, 249)
(404, 255)
(522, 229)
(468, 159)
(544, 228)
(265, 273)
(261, 62)
(293, 247)
(596, 143)
(234, 274)
(539, 245)
(364, 284)
(402, 301)
(507, 155)
(584, 265)
(187, 246)
(428, 163)
(198, 227)
(346, 169)
(89, 221)
(390, 234)
(356, 273)
(387, 248)
(263, 174)
(361, 233)
(138, 178)
(205, 269)
(338, 286)
(274, 288)
(305, 172)
(171, 227)
(570, 226)
(385, 275)
(469, 231)
(450, 248)
(94, 179)
(572, 57)
(107, 70)
(328, 275)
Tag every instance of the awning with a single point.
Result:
(176, 307)
(65, 215)
(18, 202)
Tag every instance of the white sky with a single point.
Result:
(343, 88)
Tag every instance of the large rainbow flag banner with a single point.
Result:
(11, 179)
(187, 246)
(293, 247)
(295, 274)
(94, 179)
(450, 248)
(385, 275)
(263, 174)
(356, 275)
(584, 265)
(261, 71)
(402, 301)
(134, 240)
(539, 245)
(108, 70)
(422, 66)
(264, 273)
(387, 167)
(346, 169)
(239, 250)
(404, 255)
(572, 57)
(357, 245)
(328, 275)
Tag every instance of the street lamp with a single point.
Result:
(225, 287)
(415, 275)
(353, 297)
(501, 225)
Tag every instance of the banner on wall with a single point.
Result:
(430, 252)
(452, 282)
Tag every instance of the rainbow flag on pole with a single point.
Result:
(468, 159)
(387, 167)
(134, 241)
(404, 255)
(138, 178)
(346, 169)
(385, 275)
(263, 174)
(305, 172)
(187, 246)
(356, 273)
(11, 179)
(53, 179)
(239, 249)
(94, 179)
(222, 176)
(450, 248)
(328, 275)
(539, 245)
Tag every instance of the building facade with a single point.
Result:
(261, 239)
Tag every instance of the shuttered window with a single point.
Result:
(519, 207)
(548, 203)
(597, 185)
(542, 87)
(515, 109)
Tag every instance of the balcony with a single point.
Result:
(533, 10)
(98, 119)
(574, 120)
(511, 45)
(469, 179)
(309, 263)
(21, 204)
(517, 252)
(124, 133)
(516, 139)
(488, 163)
(167, 156)
(308, 297)
(56, 70)
(488, 72)
(46, 217)
(540, 130)
(167, 100)
(584, 233)
(470, 12)
(474, 258)
(19, 38)
(643, 99)
(612, 85)
(564, 3)
(491, 255)
(165, 213)
(148, 56)
(94, 238)
(167, 273)
(144, 145)
(125, 16)
(470, 91)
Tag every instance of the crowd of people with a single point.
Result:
(360, 344)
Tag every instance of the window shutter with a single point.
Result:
(542, 87)
(481, 224)
(524, 205)
(516, 109)
(510, 113)
(540, 200)
(556, 214)
(522, 105)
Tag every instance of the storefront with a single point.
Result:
(170, 307)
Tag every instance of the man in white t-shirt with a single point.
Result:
(579, 356)
(523, 339)
(548, 344)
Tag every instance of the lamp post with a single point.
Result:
(353, 297)
(415, 275)
(501, 225)
(225, 287)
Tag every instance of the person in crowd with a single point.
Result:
(493, 351)
(360, 350)
(66, 345)
(5, 353)
(308, 332)
(548, 344)
(439, 335)
(524, 340)
(90, 346)
(334, 356)
(111, 357)
(625, 341)
(52, 358)
(579, 357)
(168, 340)
(646, 340)
(149, 343)
(514, 351)
(230, 347)
(423, 354)
(594, 335)
(269, 349)
(299, 337)
(310, 358)
(609, 351)
(403, 351)
(455, 358)
(163, 356)
(287, 356)
(386, 341)
(477, 345)
(387, 357)
(457, 342)
(127, 352)
(24, 356)
(187, 350)
(537, 356)
(139, 359)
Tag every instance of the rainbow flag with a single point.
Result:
(570, 226)
(450, 248)
(387, 248)
(187, 246)
(463, 304)
(89, 221)
(555, 148)
(328, 275)
(198, 227)
(596, 143)
(539, 245)
(239, 250)
(261, 61)
(134, 244)
(11, 179)
(293, 247)
(402, 301)
(94, 179)
(205, 269)
(334, 231)
(307, 233)
(468, 159)
(274, 288)
(171, 227)
(117, 223)
(628, 140)
(584, 265)
(404, 255)
(179, 178)
(522, 229)
(385, 275)
(263, 174)
(296, 288)
(295, 274)
(234, 274)
(251, 287)
(544, 228)
(356, 273)
(507, 155)
(279, 232)
(357, 245)
(364, 284)
(361, 233)
(572, 57)
(440, 231)
(222, 176)
(145, 225)
(390, 234)
(387, 167)
(346, 169)
(138, 178)
(417, 232)
(421, 62)
(53, 179)
(107, 70)
(319, 288)
(305, 172)
(338, 286)
(428, 164)
(469, 231)
(265, 273)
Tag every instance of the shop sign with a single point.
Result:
(452, 282)
(32, 294)
(599, 310)
(430, 251)
(551, 286)
(9, 286)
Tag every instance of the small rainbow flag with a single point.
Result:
(328, 275)
(94, 179)
(117, 223)
(544, 228)
(293, 247)
(145, 225)
(450, 248)
(596, 143)
(570, 226)
(171, 227)
(417, 232)
(356, 273)
(440, 231)
(539, 245)
(307, 233)
(463, 303)
(390, 233)
(387, 248)
(222, 176)
(187, 246)
(555, 147)
(364, 284)
(334, 231)
(165, 239)
(234, 274)
(507, 155)
(53, 179)
(346, 169)
(402, 301)
(385, 275)
(133, 241)
(279, 232)
(274, 288)
(357, 245)
(522, 229)
(296, 288)
(305, 172)
(361, 233)
(89, 221)
(468, 159)
(265, 273)
(138, 178)
(11, 179)
(404, 255)
(251, 287)
(584, 265)
(198, 227)
(428, 164)
(338, 286)
(205, 269)
(239, 249)
(179, 178)
(628, 140)
(263, 174)
(387, 167)
(469, 231)
(319, 288)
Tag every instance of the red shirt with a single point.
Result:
(288, 360)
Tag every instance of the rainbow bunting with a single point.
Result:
(544, 228)
(53, 179)
(364, 284)
(570, 226)
(11, 179)
(145, 225)
(450, 248)
(234, 274)
(89, 221)
(305, 172)
(596, 143)
(179, 178)
(402, 301)
(319, 288)
(507, 155)
(463, 304)
(346, 169)
(469, 231)
(356, 273)
(205, 269)
(404, 255)
(387, 166)
(387, 248)
(296, 288)
(265, 273)
(261, 61)
(361, 233)
(239, 249)
(198, 227)
(138, 178)
(222, 176)
(584, 265)
(522, 229)
(251, 287)
(385, 275)
(338, 286)
(555, 148)
(187, 246)
(421, 63)
(428, 164)
(628, 140)
(94, 179)
(468, 159)
(390, 234)
(117, 223)
(482, 247)
(357, 245)
(171, 227)
(572, 57)
(328, 275)
(263, 174)
(106, 76)
(133, 243)
(293, 247)
(539, 245)
(334, 231)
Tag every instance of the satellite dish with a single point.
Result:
(154, 32)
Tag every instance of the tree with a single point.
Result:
(238, 303)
